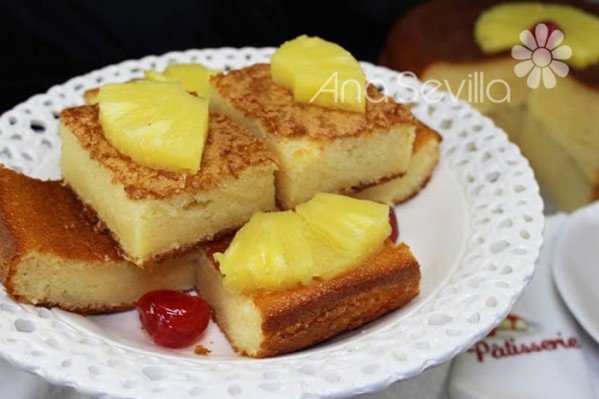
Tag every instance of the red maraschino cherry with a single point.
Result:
(173, 319)
(394, 226)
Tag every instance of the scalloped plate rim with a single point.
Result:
(371, 382)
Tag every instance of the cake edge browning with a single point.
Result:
(23, 199)
(10, 254)
(301, 317)
(313, 314)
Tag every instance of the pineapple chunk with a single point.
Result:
(270, 252)
(355, 228)
(156, 76)
(327, 236)
(194, 77)
(321, 73)
(157, 124)
(498, 29)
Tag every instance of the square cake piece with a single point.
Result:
(152, 213)
(270, 323)
(319, 149)
(50, 254)
(425, 156)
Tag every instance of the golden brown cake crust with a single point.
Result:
(45, 217)
(384, 283)
(363, 186)
(252, 91)
(91, 96)
(423, 134)
(229, 150)
(296, 318)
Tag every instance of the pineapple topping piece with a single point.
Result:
(498, 29)
(327, 236)
(157, 124)
(194, 77)
(321, 73)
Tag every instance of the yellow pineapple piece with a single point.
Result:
(498, 28)
(321, 73)
(194, 77)
(270, 252)
(352, 227)
(157, 124)
(156, 76)
(327, 236)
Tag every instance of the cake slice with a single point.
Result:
(270, 323)
(50, 254)
(154, 214)
(425, 156)
(319, 149)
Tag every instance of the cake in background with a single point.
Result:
(466, 45)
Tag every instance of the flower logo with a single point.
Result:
(541, 56)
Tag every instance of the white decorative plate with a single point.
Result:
(476, 230)
(575, 266)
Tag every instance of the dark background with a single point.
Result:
(47, 42)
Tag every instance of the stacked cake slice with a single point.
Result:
(319, 149)
(51, 254)
(154, 214)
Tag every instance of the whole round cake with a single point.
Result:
(532, 67)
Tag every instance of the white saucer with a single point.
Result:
(576, 267)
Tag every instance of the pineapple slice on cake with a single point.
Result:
(327, 236)
(156, 76)
(270, 252)
(194, 77)
(351, 227)
(158, 124)
(321, 73)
